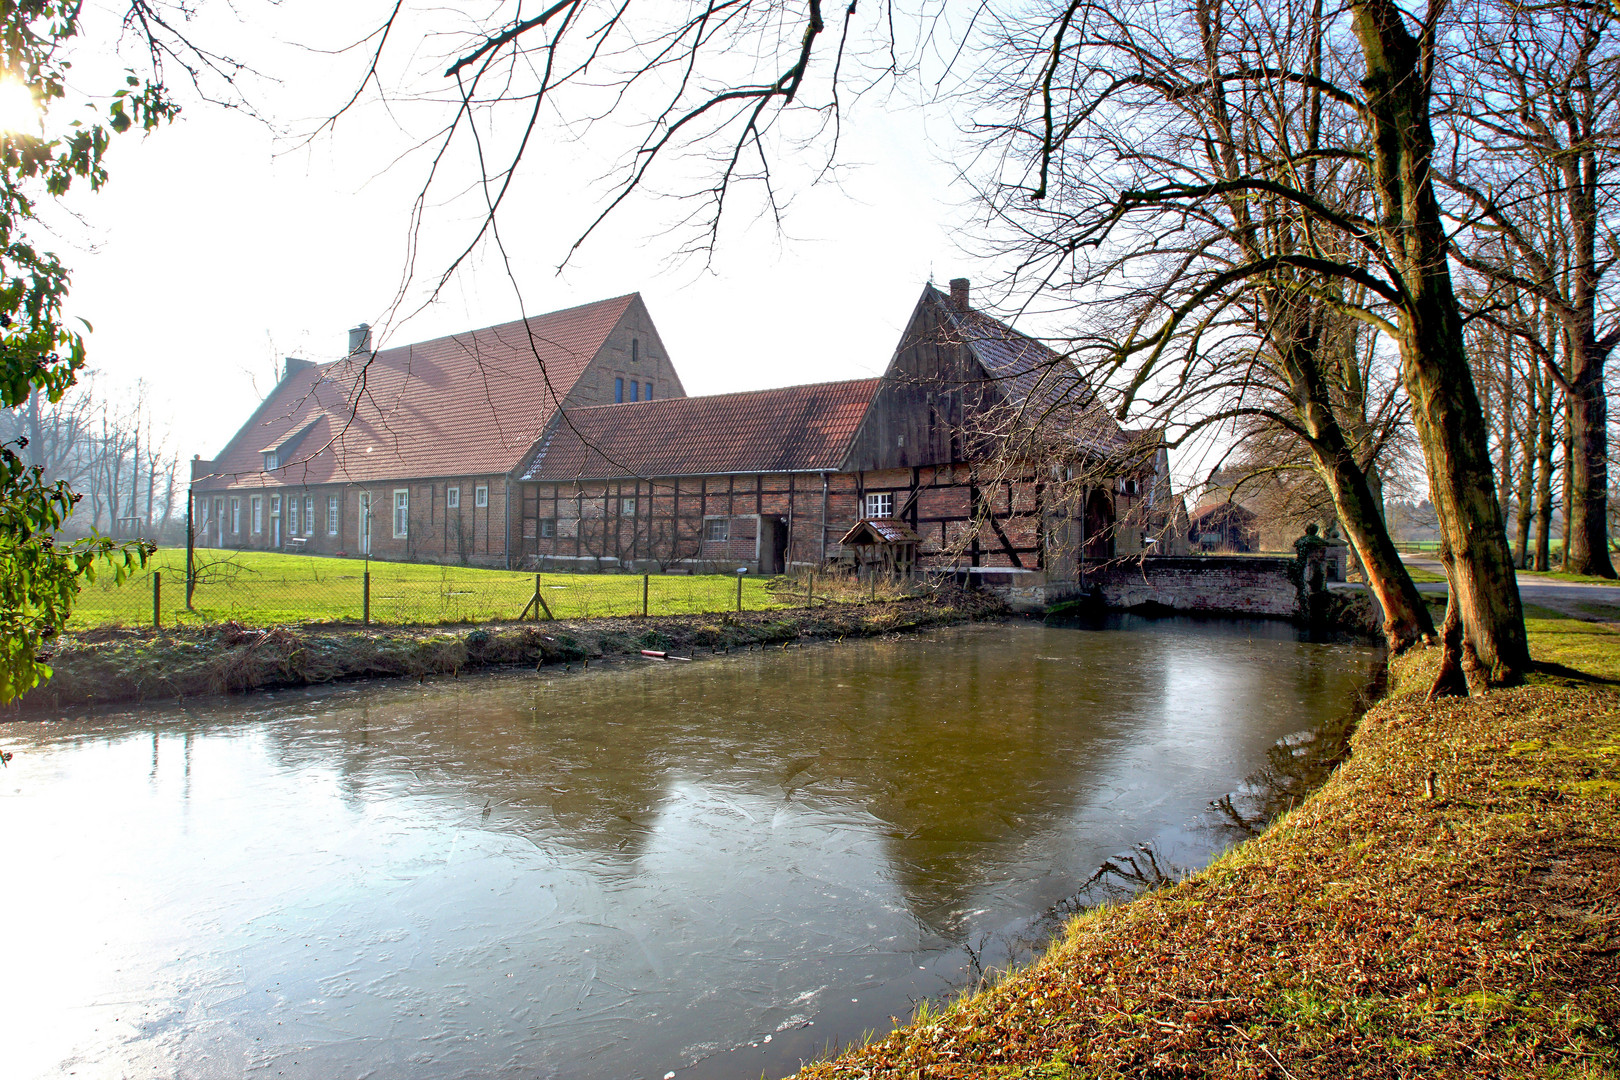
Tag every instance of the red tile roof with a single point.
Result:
(470, 403)
(791, 429)
(880, 530)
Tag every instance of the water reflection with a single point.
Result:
(620, 873)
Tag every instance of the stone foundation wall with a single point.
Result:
(1212, 584)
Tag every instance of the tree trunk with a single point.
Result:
(1360, 510)
(1505, 483)
(1527, 488)
(1586, 542)
(1544, 470)
(1406, 618)
(1569, 482)
(1434, 362)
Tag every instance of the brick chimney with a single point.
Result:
(360, 339)
(959, 293)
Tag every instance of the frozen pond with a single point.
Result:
(640, 869)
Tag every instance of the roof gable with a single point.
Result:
(1041, 384)
(468, 403)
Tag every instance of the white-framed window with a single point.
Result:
(481, 495)
(257, 505)
(548, 527)
(219, 517)
(452, 498)
(402, 511)
(272, 461)
(331, 515)
(627, 507)
(236, 515)
(880, 504)
(309, 515)
(292, 516)
(717, 529)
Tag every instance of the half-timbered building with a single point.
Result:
(567, 441)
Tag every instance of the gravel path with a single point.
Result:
(1568, 597)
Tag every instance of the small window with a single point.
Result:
(258, 514)
(452, 498)
(236, 515)
(627, 508)
(618, 390)
(648, 388)
(480, 495)
(402, 511)
(635, 350)
(272, 461)
(634, 388)
(292, 516)
(880, 504)
(309, 515)
(548, 527)
(219, 515)
(716, 530)
(331, 515)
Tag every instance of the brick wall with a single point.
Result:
(434, 530)
(1216, 584)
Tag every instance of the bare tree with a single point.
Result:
(1168, 180)
(1533, 104)
(1110, 118)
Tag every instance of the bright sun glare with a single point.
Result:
(17, 109)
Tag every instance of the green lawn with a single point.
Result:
(259, 588)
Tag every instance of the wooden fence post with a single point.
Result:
(191, 549)
(365, 599)
(157, 598)
(646, 584)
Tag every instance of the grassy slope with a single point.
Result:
(263, 588)
(1376, 931)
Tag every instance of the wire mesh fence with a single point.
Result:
(271, 588)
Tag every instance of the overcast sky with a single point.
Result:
(220, 246)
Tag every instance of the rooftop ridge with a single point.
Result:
(699, 398)
(492, 328)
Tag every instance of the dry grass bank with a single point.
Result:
(1447, 905)
(110, 666)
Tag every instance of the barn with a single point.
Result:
(568, 441)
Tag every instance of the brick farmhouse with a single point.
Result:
(567, 441)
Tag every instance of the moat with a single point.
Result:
(715, 869)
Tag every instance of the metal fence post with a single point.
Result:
(646, 585)
(810, 591)
(537, 600)
(739, 592)
(365, 598)
(157, 598)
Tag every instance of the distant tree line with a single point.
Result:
(112, 451)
